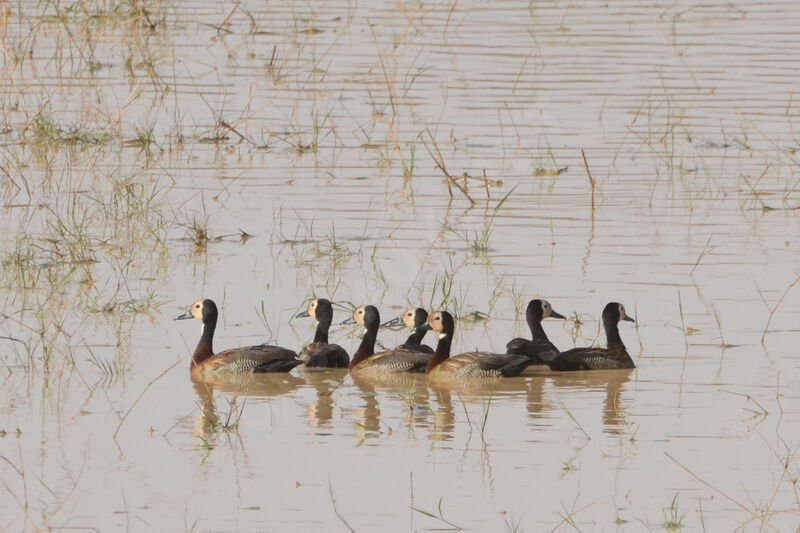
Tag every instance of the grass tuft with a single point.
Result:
(673, 520)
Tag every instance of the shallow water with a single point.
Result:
(125, 134)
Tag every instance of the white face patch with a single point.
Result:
(622, 314)
(196, 309)
(408, 317)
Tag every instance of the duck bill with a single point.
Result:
(553, 314)
(302, 314)
(629, 319)
(184, 316)
(393, 323)
(347, 321)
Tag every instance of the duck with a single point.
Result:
(540, 349)
(366, 362)
(416, 319)
(236, 361)
(320, 353)
(468, 364)
(614, 356)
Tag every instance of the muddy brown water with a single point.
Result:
(123, 130)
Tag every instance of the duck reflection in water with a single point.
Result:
(535, 400)
(613, 381)
(235, 393)
(484, 394)
(320, 413)
(369, 424)
(407, 392)
(444, 417)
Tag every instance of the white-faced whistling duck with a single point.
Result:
(249, 359)
(366, 362)
(319, 353)
(416, 319)
(614, 356)
(469, 364)
(539, 348)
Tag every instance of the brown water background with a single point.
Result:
(302, 139)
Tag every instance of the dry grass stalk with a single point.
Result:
(588, 173)
(439, 162)
(780, 301)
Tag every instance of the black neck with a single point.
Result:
(537, 331)
(367, 346)
(416, 336)
(322, 330)
(441, 354)
(612, 334)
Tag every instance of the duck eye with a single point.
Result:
(197, 306)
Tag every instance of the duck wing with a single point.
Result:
(423, 348)
(540, 350)
(324, 355)
(591, 359)
(485, 364)
(261, 358)
(274, 358)
(396, 361)
(517, 346)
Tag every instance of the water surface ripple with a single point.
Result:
(258, 154)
